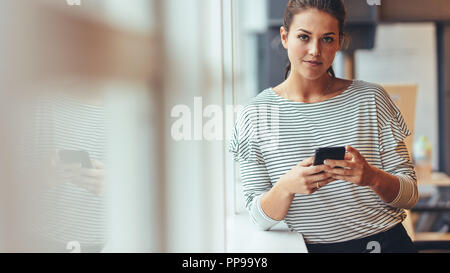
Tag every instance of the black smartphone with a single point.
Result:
(76, 156)
(336, 153)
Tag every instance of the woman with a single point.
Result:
(347, 209)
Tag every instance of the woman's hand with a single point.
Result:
(93, 180)
(355, 168)
(59, 173)
(304, 178)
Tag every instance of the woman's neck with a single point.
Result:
(297, 88)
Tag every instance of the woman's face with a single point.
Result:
(313, 37)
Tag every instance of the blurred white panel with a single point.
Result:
(338, 65)
(133, 193)
(256, 14)
(406, 53)
(133, 15)
(15, 194)
(195, 197)
(52, 48)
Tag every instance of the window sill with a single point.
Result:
(243, 236)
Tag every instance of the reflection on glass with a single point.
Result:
(69, 144)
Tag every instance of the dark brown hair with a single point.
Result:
(333, 7)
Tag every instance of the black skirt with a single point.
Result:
(394, 240)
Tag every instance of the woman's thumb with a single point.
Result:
(307, 162)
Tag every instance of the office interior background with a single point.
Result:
(152, 65)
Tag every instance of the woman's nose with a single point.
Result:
(314, 50)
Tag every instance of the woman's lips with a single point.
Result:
(313, 63)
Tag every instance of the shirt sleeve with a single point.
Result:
(256, 182)
(395, 158)
(255, 179)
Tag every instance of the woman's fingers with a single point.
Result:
(347, 178)
(354, 152)
(66, 171)
(340, 171)
(314, 186)
(348, 156)
(306, 162)
(94, 173)
(67, 167)
(311, 179)
(339, 163)
(91, 184)
(316, 169)
(326, 181)
(97, 164)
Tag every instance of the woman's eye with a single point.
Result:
(303, 37)
(328, 40)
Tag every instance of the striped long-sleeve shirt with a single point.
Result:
(68, 212)
(272, 134)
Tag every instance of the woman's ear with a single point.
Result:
(284, 36)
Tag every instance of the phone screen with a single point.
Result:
(336, 153)
(75, 156)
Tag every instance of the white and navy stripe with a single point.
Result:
(272, 134)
